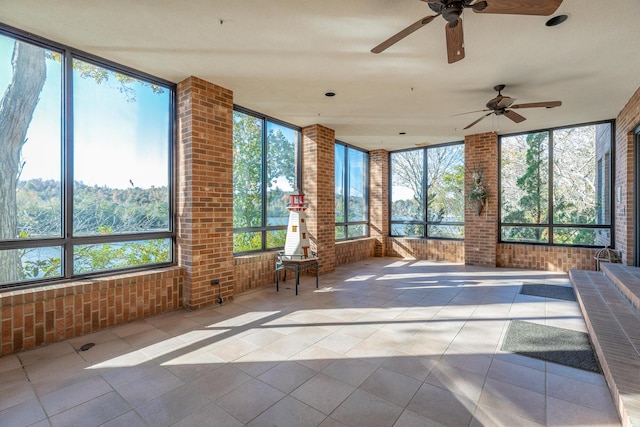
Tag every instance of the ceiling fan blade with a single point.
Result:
(480, 119)
(521, 7)
(402, 34)
(549, 104)
(517, 118)
(470, 112)
(455, 41)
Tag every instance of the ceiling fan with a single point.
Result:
(451, 11)
(503, 106)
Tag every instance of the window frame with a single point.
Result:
(67, 241)
(550, 225)
(345, 197)
(264, 229)
(425, 222)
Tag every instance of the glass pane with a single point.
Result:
(247, 171)
(19, 265)
(339, 182)
(407, 185)
(30, 145)
(582, 236)
(121, 153)
(111, 256)
(525, 234)
(581, 175)
(341, 232)
(446, 231)
(407, 230)
(358, 179)
(445, 183)
(276, 238)
(359, 230)
(525, 178)
(249, 241)
(281, 172)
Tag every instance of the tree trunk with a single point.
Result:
(18, 103)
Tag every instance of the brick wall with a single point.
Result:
(379, 199)
(549, 258)
(481, 231)
(350, 251)
(205, 191)
(319, 186)
(626, 122)
(37, 316)
(254, 271)
(431, 249)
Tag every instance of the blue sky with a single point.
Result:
(116, 140)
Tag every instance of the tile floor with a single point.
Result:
(383, 342)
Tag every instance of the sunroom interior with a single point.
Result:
(148, 154)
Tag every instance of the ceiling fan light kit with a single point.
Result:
(452, 10)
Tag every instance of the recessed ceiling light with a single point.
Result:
(330, 94)
(556, 20)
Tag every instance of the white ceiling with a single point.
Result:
(279, 57)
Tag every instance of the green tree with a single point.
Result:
(248, 180)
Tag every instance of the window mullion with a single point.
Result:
(67, 164)
(550, 168)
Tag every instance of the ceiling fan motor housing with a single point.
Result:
(452, 11)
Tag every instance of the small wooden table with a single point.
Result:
(297, 264)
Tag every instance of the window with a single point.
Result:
(351, 192)
(85, 175)
(265, 155)
(556, 186)
(427, 198)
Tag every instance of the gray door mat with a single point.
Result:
(548, 291)
(551, 344)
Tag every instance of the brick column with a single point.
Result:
(481, 231)
(204, 195)
(379, 199)
(318, 181)
(626, 123)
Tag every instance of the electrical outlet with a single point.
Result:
(215, 282)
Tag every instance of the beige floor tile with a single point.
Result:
(22, 414)
(338, 342)
(489, 416)
(94, 412)
(249, 400)
(391, 386)
(128, 419)
(365, 409)
(515, 400)
(172, 407)
(521, 376)
(350, 371)
(73, 395)
(220, 381)
(323, 393)
(563, 413)
(287, 376)
(153, 382)
(411, 419)
(462, 382)
(415, 367)
(46, 353)
(289, 412)
(211, 416)
(442, 406)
